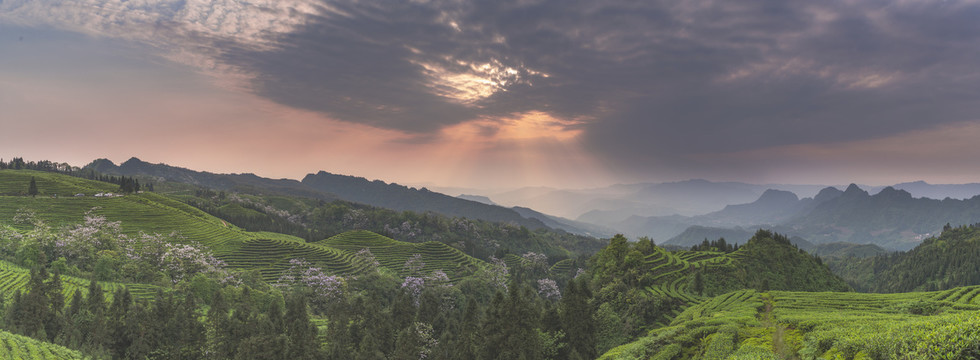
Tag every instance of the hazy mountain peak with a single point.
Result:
(827, 193)
(890, 192)
(854, 190)
(777, 196)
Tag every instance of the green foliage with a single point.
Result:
(938, 263)
(769, 261)
(750, 325)
(13, 346)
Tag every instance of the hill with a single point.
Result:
(938, 263)
(748, 324)
(770, 261)
(572, 226)
(236, 182)
(695, 234)
(402, 198)
(268, 253)
(629, 275)
(772, 208)
(323, 186)
(891, 219)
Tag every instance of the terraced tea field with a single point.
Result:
(393, 254)
(16, 347)
(268, 252)
(15, 183)
(826, 325)
(14, 278)
(271, 257)
(671, 271)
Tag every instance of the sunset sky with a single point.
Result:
(501, 93)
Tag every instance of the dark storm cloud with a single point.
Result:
(653, 80)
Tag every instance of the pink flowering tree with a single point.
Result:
(414, 285)
(495, 274)
(534, 264)
(548, 289)
(324, 289)
(367, 256)
(98, 246)
(414, 264)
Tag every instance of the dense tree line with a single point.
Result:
(315, 220)
(769, 261)
(938, 263)
(43, 165)
(374, 317)
(715, 245)
(126, 184)
(619, 277)
(228, 323)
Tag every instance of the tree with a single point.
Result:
(32, 187)
(578, 318)
(699, 283)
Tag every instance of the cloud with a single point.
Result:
(946, 153)
(642, 85)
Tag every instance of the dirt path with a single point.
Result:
(779, 346)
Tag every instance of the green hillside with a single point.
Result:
(15, 278)
(146, 212)
(946, 261)
(17, 347)
(393, 254)
(682, 278)
(747, 324)
(15, 182)
(647, 287)
(769, 261)
(267, 252)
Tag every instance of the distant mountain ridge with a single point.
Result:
(403, 198)
(326, 186)
(891, 218)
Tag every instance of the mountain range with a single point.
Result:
(893, 218)
(327, 186)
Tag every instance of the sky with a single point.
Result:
(501, 93)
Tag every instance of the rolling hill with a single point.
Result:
(748, 324)
(268, 253)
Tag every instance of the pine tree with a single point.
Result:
(302, 343)
(32, 187)
(578, 318)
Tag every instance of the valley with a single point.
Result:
(441, 283)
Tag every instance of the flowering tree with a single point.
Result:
(549, 289)
(98, 245)
(496, 273)
(408, 230)
(414, 264)
(535, 264)
(368, 257)
(324, 288)
(415, 284)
